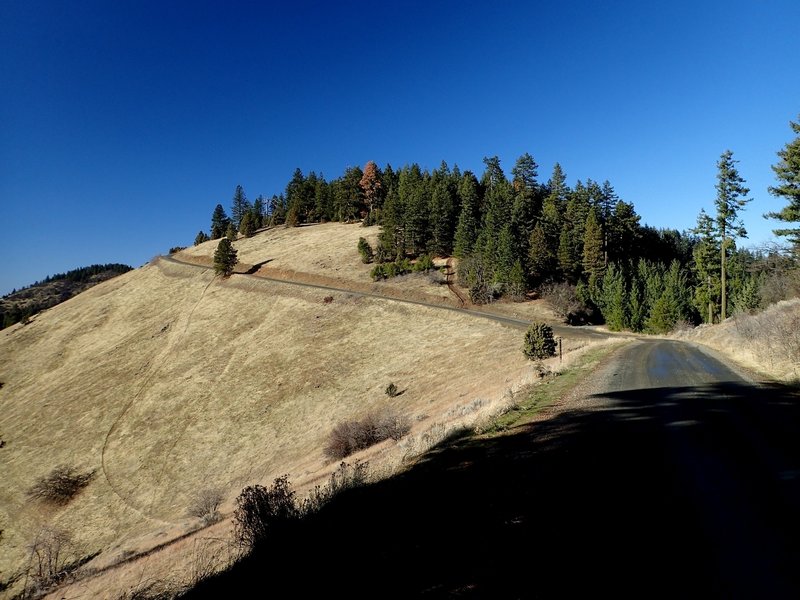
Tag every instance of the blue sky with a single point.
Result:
(122, 124)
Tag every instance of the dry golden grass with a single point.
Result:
(767, 342)
(168, 381)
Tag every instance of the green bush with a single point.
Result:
(424, 264)
(391, 390)
(365, 250)
(539, 342)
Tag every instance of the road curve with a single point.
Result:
(559, 330)
(664, 475)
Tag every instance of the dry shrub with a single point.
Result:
(346, 476)
(564, 300)
(262, 511)
(206, 504)
(351, 436)
(53, 557)
(61, 485)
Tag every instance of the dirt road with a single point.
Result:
(667, 475)
(559, 330)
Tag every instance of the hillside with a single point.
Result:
(20, 304)
(168, 380)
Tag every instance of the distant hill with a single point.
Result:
(52, 290)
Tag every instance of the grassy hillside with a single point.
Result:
(21, 304)
(167, 380)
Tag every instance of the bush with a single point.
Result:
(564, 299)
(262, 511)
(539, 342)
(206, 505)
(351, 436)
(175, 249)
(424, 264)
(391, 390)
(365, 250)
(60, 486)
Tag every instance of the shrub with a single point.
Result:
(60, 486)
(351, 436)
(564, 299)
(365, 250)
(175, 249)
(424, 263)
(539, 342)
(346, 476)
(262, 511)
(206, 505)
(391, 390)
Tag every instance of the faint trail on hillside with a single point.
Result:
(448, 274)
(156, 363)
(561, 330)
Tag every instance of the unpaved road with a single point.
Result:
(666, 475)
(559, 330)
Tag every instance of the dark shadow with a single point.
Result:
(668, 492)
(257, 266)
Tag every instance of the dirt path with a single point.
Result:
(559, 330)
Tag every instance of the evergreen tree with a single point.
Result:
(225, 257)
(623, 232)
(614, 304)
(442, 211)
(467, 229)
(219, 222)
(200, 238)
(526, 207)
(787, 171)
(413, 196)
(541, 258)
(593, 255)
(730, 199)
(231, 232)
(706, 265)
(348, 202)
(239, 206)
(248, 225)
(277, 210)
(259, 211)
(391, 240)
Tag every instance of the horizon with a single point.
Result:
(128, 124)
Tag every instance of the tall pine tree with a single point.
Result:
(730, 199)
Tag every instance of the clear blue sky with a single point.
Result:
(122, 124)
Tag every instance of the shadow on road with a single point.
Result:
(661, 492)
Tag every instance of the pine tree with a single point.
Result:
(730, 199)
(248, 225)
(541, 258)
(614, 304)
(787, 171)
(225, 257)
(467, 229)
(593, 255)
(239, 206)
(442, 211)
(706, 254)
(200, 238)
(219, 222)
(527, 200)
(259, 211)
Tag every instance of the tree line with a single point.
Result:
(515, 234)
